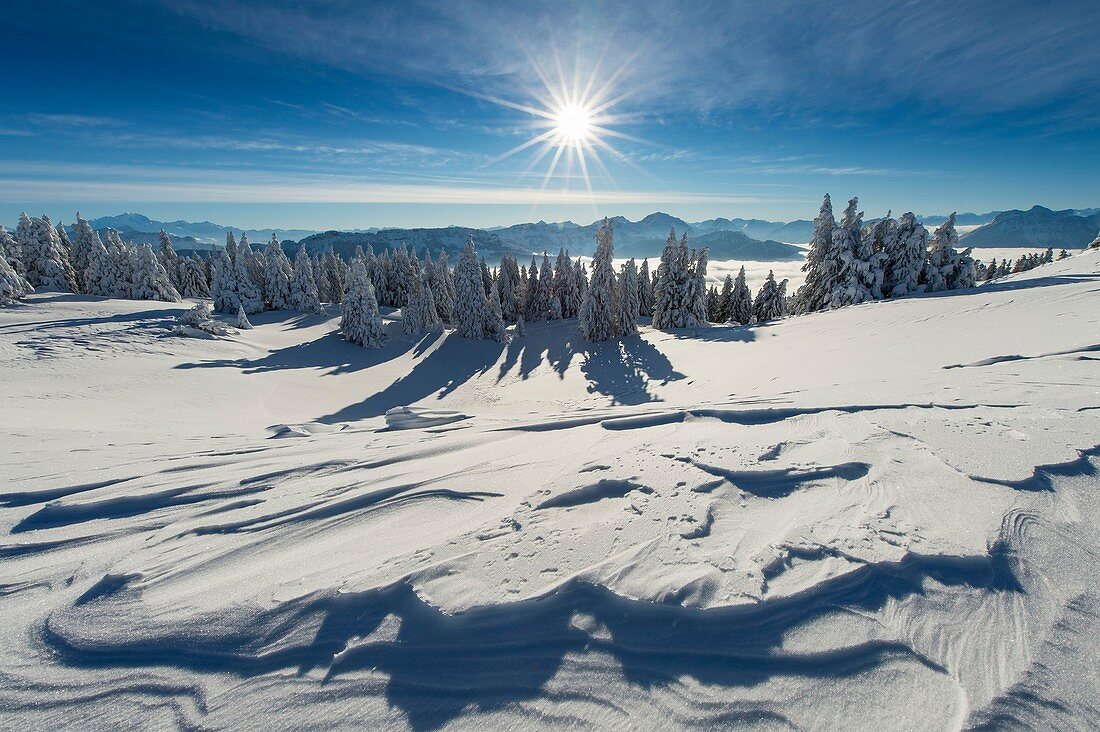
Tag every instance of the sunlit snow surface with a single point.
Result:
(882, 517)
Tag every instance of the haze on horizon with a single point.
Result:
(342, 114)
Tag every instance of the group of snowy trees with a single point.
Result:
(1025, 262)
(44, 256)
(849, 263)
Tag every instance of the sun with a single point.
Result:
(572, 124)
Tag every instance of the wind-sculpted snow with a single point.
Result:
(811, 525)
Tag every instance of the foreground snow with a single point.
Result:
(880, 516)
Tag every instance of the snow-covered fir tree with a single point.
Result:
(849, 261)
(253, 262)
(46, 260)
(401, 277)
(531, 291)
(645, 291)
(411, 315)
(67, 247)
(581, 274)
(116, 277)
(697, 285)
(741, 302)
(303, 286)
(520, 330)
(508, 287)
(769, 303)
(877, 237)
(486, 276)
(471, 308)
(626, 299)
(724, 307)
(783, 300)
(596, 318)
(330, 283)
(242, 317)
(360, 321)
(712, 304)
(820, 264)
(249, 294)
(494, 323)
(904, 258)
(166, 253)
(13, 286)
(946, 268)
(192, 274)
(11, 251)
(151, 280)
(223, 285)
(444, 288)
(427, 312)
(544, 290)
(565, 285)
(677, 304)
(278, 272)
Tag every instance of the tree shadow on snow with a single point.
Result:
(621, 369)
(453, 363)
(439, 666)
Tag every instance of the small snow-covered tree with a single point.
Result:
(820, 264)
(303, 286)
(645, 291)
(520, 331)
(769, 303)
(47, 261)
(192, 274)
(741, 304)
(242, 319)
(946, 268)
(66, 246)
(330, 279)
(253, 262)
(596, 318)
(150, 278)
(277, 275)
(360, 321)
(486, 277)
(626, 300)
(427, 312)
(471, 308)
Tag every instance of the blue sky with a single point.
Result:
(341, 114)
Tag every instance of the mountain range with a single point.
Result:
(737, 238)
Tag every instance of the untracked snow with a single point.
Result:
(879, 517)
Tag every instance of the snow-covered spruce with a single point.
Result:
(645, 291)
(444, 289)
(508, 286)
(13, 286)
(242, 319)
(539, 308)
(85, 245)
(494, 323)
(223, 285)
(277, 275)
(904, 258)
(46, 259)
(12, 251)
(169, 259)
(150, 280)
(565, 285)
(113, 268)
(248, 290)
(741, 302)
(769, 303)
(626, 300)
(303, 286)
(849, 262)
(192, 275)
(360, 321)
(471, 308)
(596, 320)
(820, 264)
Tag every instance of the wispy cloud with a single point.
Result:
(150, 184)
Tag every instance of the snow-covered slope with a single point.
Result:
(880, 517)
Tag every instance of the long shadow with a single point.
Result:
(146, 318)
(329, 353)
(622, 369)
(996, 286)
(453, 363)
(440, 665)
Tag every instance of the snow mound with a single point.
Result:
(417, 418)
